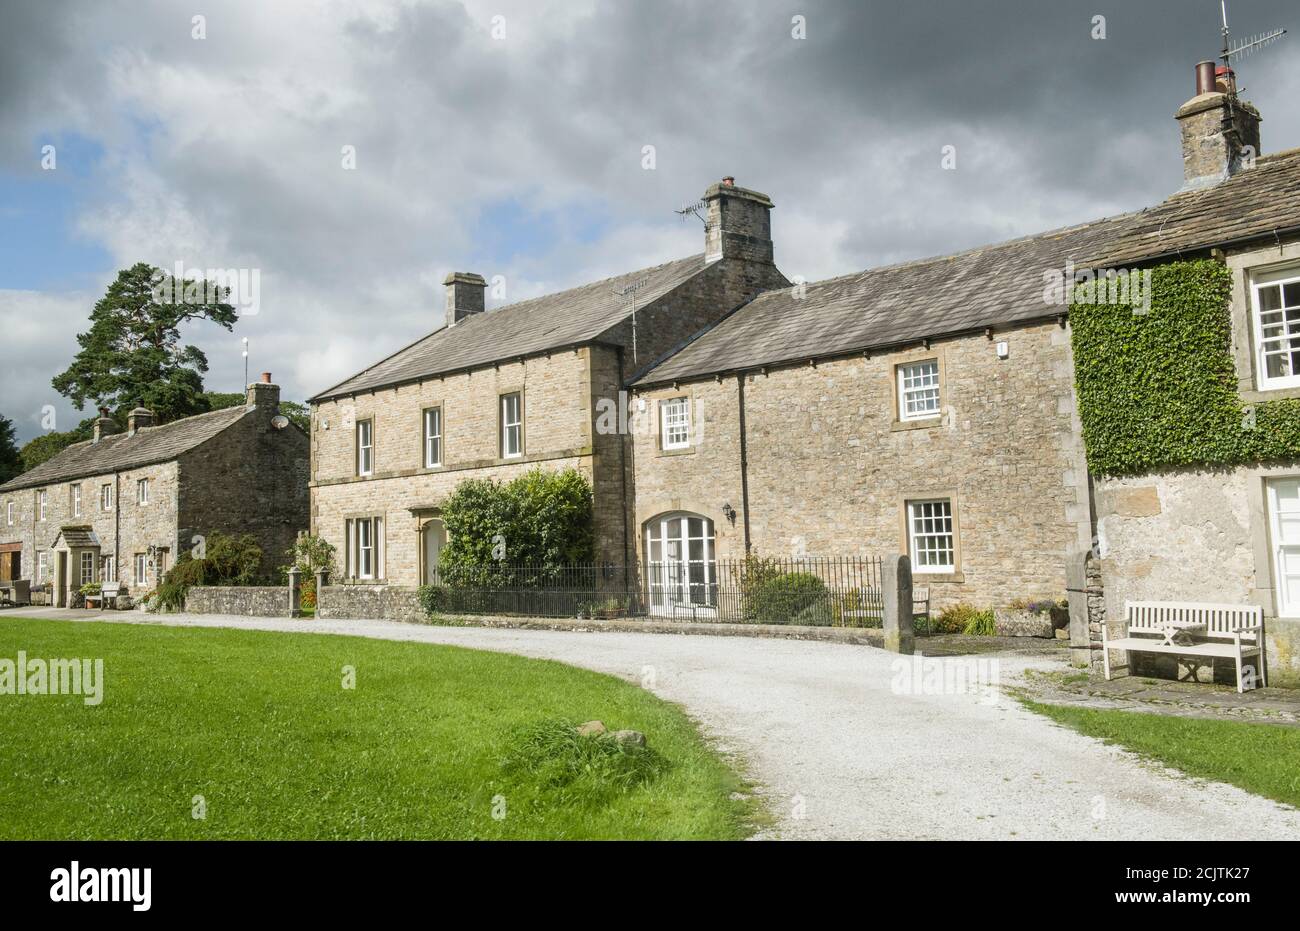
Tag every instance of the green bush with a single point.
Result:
(234, 560)
(541, 518)
(781, 598)
(583, 769)
(1159, 389)
(983, 624)
(963, 619)
(433, 599)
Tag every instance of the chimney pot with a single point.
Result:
(1204, 77)
(266, 378)
(729, 181)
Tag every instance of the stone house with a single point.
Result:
(121, 506)
(495, 393)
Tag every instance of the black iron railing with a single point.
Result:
(821, 591)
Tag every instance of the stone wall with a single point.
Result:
(386, 602)
(1195, 535)
(830, 465)
(246, 601)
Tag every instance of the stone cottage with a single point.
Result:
(494, 393)
(121, 506)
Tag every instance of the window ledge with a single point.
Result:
(921, 423)
(1256, 396)
(684, 451)
(941, 578)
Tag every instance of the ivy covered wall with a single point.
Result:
(1156, 387)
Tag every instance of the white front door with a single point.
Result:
(1284, 515)
(434, 535)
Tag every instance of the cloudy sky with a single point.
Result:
(508, 138)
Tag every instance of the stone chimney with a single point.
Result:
(737, 223)
(263, 394)
(104, 426)
(465, 292)
(139, 417)
(1220, 130)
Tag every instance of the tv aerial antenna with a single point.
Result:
(693, 210)
(628, 293)
(1236, 52)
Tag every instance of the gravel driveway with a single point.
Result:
(841, 752)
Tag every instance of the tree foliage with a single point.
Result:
(10, 459)
(133, 354)
(48, 445)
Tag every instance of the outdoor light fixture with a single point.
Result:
(729, 512)
(1003, 349)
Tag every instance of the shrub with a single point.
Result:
(433, 599)
(779, 599)
(954, 619)
(981, 624)
(1037, 607)
(234, 560)
(856, 609)
(310, 554)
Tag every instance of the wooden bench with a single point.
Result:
(1235, 631)
(109, 590)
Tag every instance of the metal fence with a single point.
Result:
(822, 591)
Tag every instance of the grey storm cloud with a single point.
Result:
(521, 156)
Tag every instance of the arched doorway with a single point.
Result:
(681, 565)
(433, 537)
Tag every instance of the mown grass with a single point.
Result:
(1263, 759)
(430, 743)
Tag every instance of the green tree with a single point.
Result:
(10, 460)
(133, 354)
(48, 445)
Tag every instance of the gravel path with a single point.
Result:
(841, 752)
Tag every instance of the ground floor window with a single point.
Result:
(87, 567)
(141, 569)
(681, 564)
(1284, 520)
(931, 544)
(365, 547)
(108, 573)
(42, 566)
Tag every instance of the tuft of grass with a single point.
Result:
(1261, 758)
(262, 726)
(587, 768)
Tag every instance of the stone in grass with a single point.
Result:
(591, 729)
(630, 738)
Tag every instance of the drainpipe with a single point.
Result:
(117, 527)
(624, 441)
(744, 458)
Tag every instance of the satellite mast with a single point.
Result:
(628, 292)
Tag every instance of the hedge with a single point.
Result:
(1158, 390)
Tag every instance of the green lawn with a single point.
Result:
(1261, 758)
(259, 724)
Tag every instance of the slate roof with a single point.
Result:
(121, 451)
(76, 536)
(988, 286)
(566, 318)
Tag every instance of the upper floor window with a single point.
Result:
(675, 423)
(1277, 329)
(142, 491)
(41, 499)
(512, 425)
(918, 390)
(931, 542)
(365, 447)
(76, 500)
(9, 513)
(106, 497)
(433, 437)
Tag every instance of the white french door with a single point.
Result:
(1284, 516)
(681, 566)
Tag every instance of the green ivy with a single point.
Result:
(1158, 389)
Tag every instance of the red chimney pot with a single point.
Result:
(266, 378)
(729, 181)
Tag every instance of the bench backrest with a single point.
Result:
(110, 589)
(1217, 620)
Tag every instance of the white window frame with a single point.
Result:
(42, 502)
(684, 578)
(675, 423)
(432, 437)
(9, 513)
(1290, 329)
(918, 380)
(86, 571)
(365, 547)
(106, 497)
(512, 428)
(366, 446)
(141, 568)
(941, 515)
(142, 491)
(42, 565)
(108, 571)
(76, 500)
